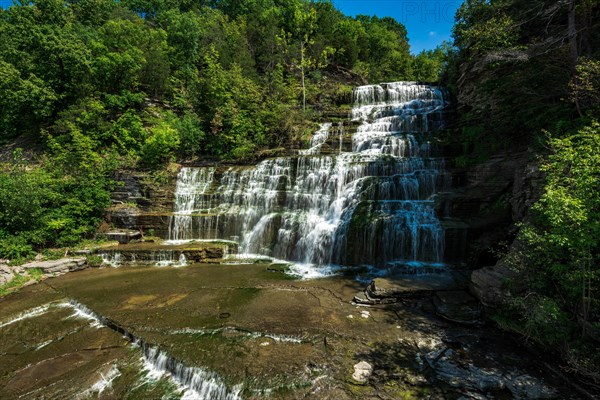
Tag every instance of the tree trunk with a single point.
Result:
(572, 31)
(302, 72)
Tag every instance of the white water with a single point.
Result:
(102, 384)
(195, 383)
(159, 258)
(32, 313)
(249, 334)
(372, 205)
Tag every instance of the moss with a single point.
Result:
(359, 391)
(36, 273)
(94, 260)
(17, 282)
(20, 280)
(361, 215)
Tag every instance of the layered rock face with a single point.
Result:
(494, 196)
(142, 202)
(485, 202)
(361, 193)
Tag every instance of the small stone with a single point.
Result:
(365, 314)
(362, 371)
(6, 274)
(265, 344)
(83, 252)
(350, 316)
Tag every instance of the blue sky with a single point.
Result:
(429, 22)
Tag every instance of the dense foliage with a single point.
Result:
(157, 79)
(556, 298)
(53, 203)
(514, 64)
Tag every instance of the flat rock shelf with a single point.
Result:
(244, 331)
(163, 254)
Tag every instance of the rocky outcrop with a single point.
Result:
(142, 202)
(488, 284)
(123, 236)
(145, 191)
(57, 267)
(6, 273)
(49, 268)
(386, 291)
(482, 375)
(157, 253)
(486, 201)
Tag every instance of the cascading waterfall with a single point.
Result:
(332, 205)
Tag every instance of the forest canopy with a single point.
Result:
(154, 79)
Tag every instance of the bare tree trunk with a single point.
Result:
(572, 31)
(302, 71)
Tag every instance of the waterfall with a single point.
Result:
(331, 204)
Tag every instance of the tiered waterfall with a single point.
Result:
(361, 193)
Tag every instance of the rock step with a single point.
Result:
(449, 296)
(458, 306)
(60, 266)
(123, 236)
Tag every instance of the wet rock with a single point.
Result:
(390, 290)
(153, 253)
(123, 236)
(362, 371)
(83, 252)
(362, 298)
(457, 306)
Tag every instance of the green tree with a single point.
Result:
(24, 103)
(559, 266)
(161, 144)
(429, 65)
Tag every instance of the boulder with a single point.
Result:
(362, 371)
(488, 284)
(393, 290)
(6, 274)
